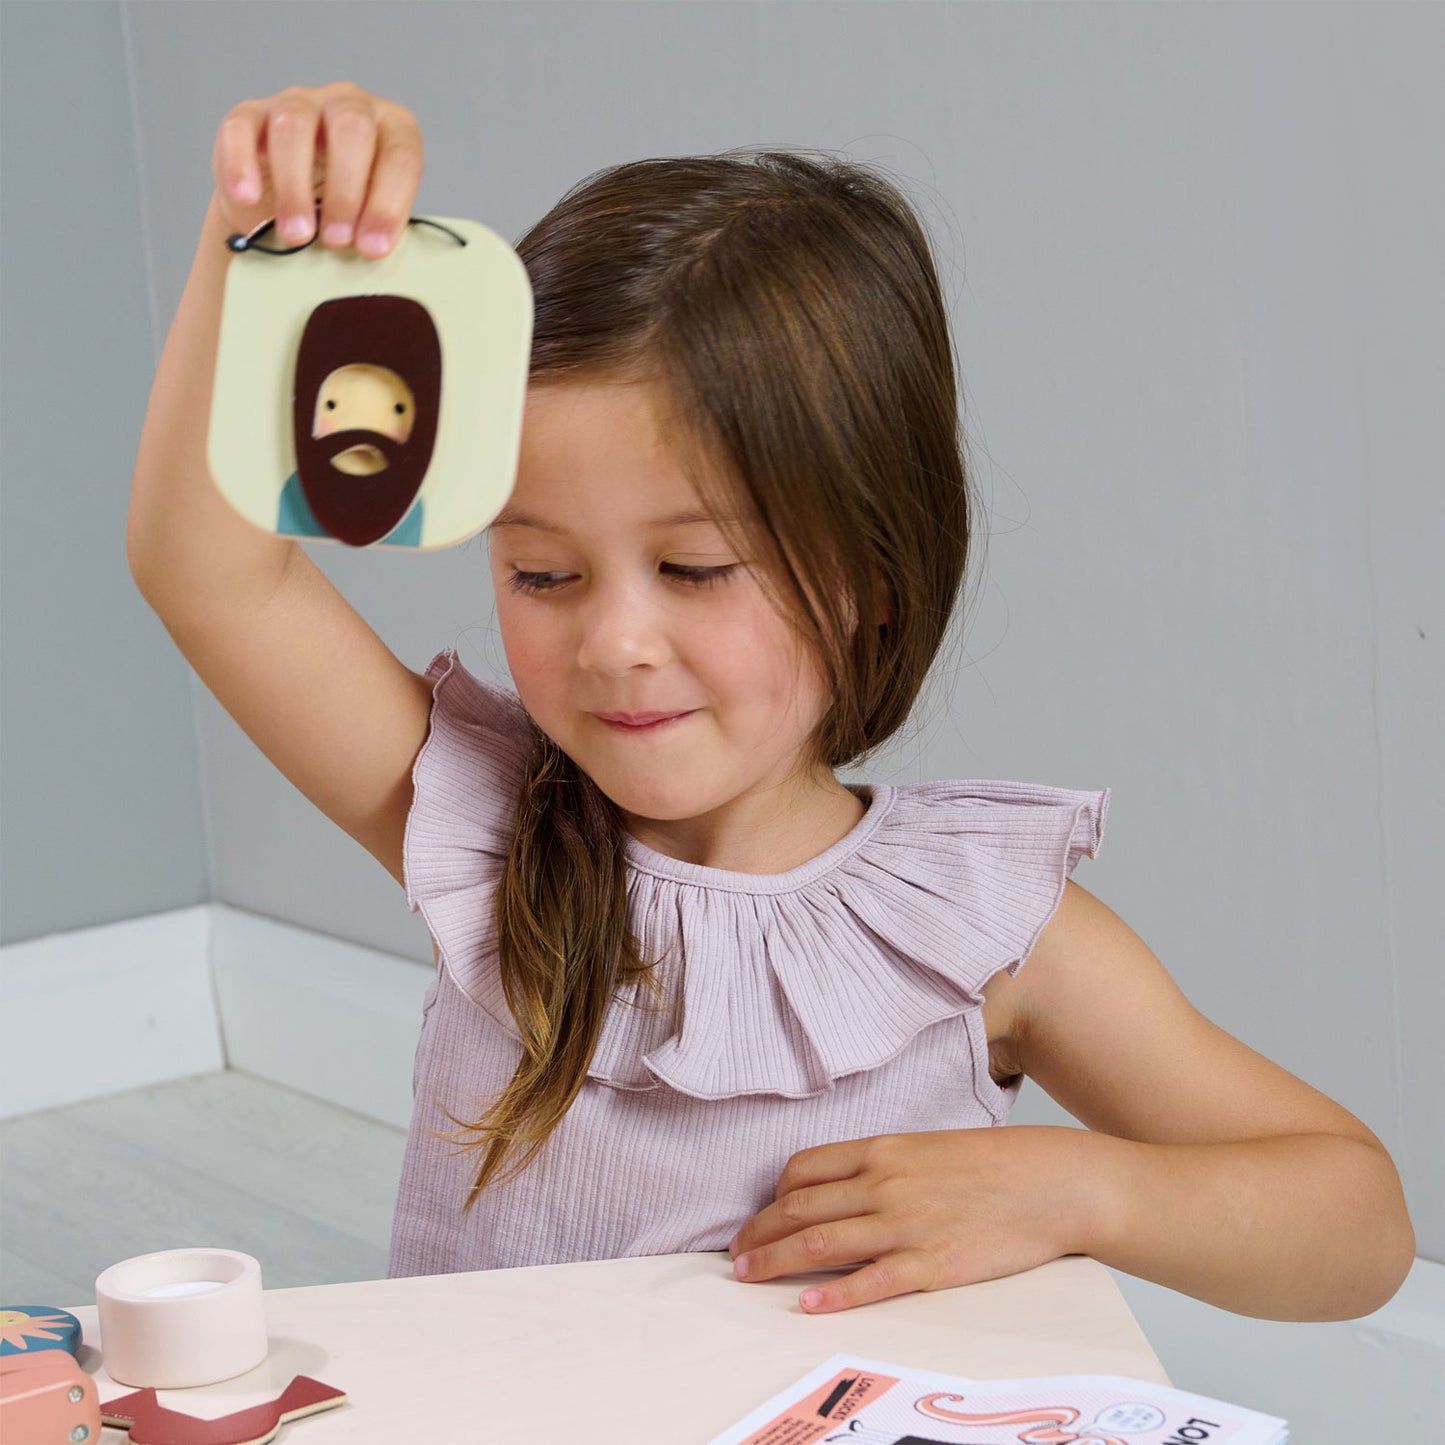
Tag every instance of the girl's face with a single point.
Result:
(608, 602)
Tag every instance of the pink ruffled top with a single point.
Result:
(839, 1000)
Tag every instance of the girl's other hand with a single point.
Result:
(360, 154)
(929, 1210)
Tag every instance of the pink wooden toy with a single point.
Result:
(47, 1399)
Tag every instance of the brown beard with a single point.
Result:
(390, 331)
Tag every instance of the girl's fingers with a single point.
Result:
(832, 1245)
(234, 160)
(400, 159)
(349, 138)
(361, 153)
(289, 139)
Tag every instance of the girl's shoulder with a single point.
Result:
(465, 780)
(1017, 818)
(982, 862)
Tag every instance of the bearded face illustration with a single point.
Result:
(364, 412)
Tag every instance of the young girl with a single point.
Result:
(693, 992)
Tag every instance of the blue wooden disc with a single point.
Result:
(24, 1329)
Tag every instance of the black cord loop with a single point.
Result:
(238, 242)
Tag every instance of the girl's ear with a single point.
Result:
(882, 602)
(883, 599)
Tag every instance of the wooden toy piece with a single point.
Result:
(151, 1423)
(47, 1399)
(25, 1329)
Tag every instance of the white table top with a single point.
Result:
(661, 1350)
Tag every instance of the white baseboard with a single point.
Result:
(100, 1010)
(330, 1018)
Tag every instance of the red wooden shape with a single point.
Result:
(151, 1423)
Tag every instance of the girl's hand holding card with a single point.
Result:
(361, 154)
(369, 389)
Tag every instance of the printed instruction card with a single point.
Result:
(867, 1402)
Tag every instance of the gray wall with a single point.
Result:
(1193, 258)
(101, 814)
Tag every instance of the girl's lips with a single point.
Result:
(650, 727)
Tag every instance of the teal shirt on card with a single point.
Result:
(295, 518)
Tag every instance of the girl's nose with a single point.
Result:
(621, 628)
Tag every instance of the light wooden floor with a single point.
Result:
(222, 1159)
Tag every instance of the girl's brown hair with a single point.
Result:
(788, 306)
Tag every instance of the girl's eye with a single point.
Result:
(689, 576)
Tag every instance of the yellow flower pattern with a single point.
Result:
(37, 1327)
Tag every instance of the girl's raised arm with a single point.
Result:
(302, 674)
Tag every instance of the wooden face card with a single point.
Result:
(373, 402)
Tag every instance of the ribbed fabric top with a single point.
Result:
(838, 1000)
